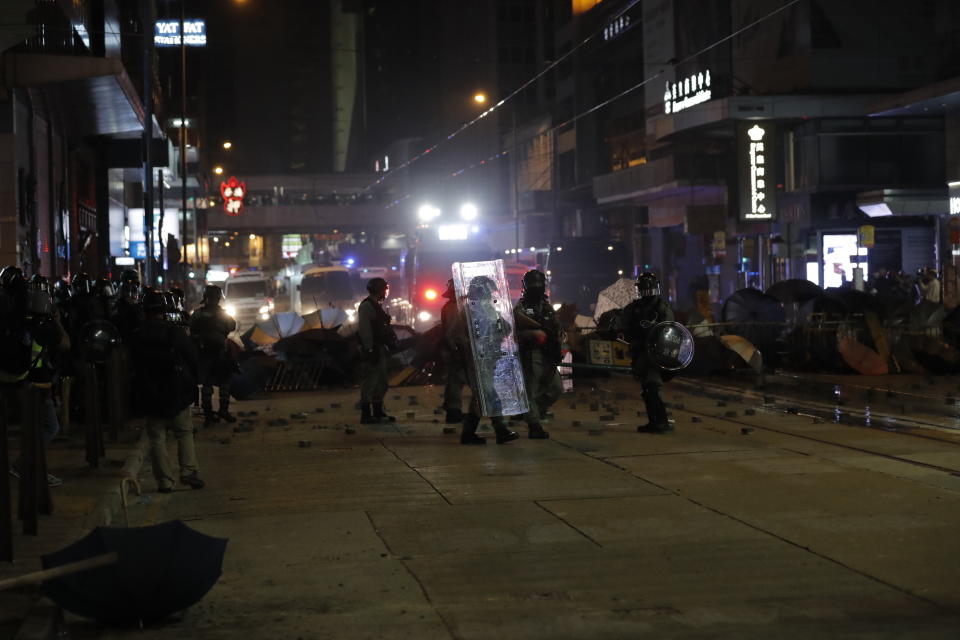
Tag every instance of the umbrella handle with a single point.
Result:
(123, 496)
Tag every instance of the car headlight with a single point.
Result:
(231, 310)
(264, 316)
(264, 310)
(351, 313)
(424, 316)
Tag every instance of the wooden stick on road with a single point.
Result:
(58, 572)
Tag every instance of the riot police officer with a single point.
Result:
(209, 326)
(637, 319)
(489, 330)
(452, 359)
(166, 366)
(539, 333)
(376, 341)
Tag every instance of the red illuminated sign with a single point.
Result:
(233, 192)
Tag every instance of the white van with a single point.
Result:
(249, 298)
(326, 287)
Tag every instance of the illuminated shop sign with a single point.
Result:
(755, 157)
(233, 192)
(953, 191)
(687, 92)
(166, 33)
(616, 27)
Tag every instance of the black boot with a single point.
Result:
(380, 414)
(209, 417)
(365, 416)
(504, 435)
(535, 431)
(468, 433)
(225, 415)
(454, 416)
(656, 412)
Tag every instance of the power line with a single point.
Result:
(606, 102)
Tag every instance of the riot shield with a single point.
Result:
(670, 346)
(483, 298)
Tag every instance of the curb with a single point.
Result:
(44, 621)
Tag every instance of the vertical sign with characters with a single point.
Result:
(756, 160)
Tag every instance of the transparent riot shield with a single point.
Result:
(483, 298)
(670, 346)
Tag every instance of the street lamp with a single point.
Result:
(480, 97)
(427, 212)
(227, 145)
(218, 170)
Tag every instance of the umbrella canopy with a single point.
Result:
(748, 306)
(280, 325)
(793, 290)
(862, 358)
(616, 296)
(745, 349)
(161, 569)
(253, 374)
(927, 315)
(325, 318)
(855, 301)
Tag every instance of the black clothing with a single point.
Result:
(166, 367)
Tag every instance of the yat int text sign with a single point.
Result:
(166, 33)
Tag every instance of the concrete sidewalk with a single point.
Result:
(88, 498)
(795, 529)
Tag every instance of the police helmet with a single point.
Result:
(378, 285)
(534, 282)
(12, 280)
(39, 300)
(481, 288)
(648, 285)
(129, 275)
(451, 291)
(61, 291)
(103, 288)
(178, 297)
(153, 301)
(212, 294)
(81, 284)
(130, 291)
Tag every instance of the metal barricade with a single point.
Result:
(34, 496)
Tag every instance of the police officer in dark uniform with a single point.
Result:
(489, 329)
(637, 319)
(127, 314)
(209, 326)
(166, 366)
(453, 359)
(539, 333)
(376, 341)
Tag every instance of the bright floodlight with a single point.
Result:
(468, 211)
(218, 170)
(427, 212)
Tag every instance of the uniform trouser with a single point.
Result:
(543, 383)
(206, 397)
(49, 422)
(453, 389)
(651, 381)
(373, 385)
(182, 427)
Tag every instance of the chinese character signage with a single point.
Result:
(687, 92)
(166, 33)
(953, 193)
(233, 192)
(757, 182)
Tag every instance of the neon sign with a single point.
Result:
(233, 192)
(759, 205)
(687, 92)
(166, 33)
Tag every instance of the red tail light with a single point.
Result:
(430, 294)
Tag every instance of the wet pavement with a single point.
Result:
(759, 517)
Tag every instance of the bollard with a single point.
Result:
(91, 415)
(34, 495)
(6, 521)
(115, 391)
(66, 385)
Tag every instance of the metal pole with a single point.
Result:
(183, 129)
(516, 187)
(161, 222)
(147, 11)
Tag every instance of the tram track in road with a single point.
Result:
(782, 405)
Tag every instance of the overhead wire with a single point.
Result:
(619, 95)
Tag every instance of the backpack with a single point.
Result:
(165, 384)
